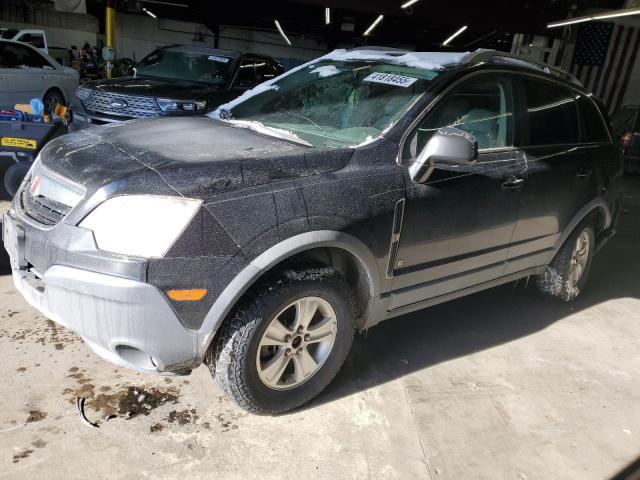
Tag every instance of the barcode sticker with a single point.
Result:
(391, 79)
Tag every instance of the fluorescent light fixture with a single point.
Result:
(458, 32)
(409, 3)
(286, 39)
(617, 13)
(327, 16)
(373, 25)
(570, 21)
(601, 16)
(149, 12)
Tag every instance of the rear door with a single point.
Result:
(456, 228)
(562, 170)
(7, 76)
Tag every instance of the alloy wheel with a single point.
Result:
(297, 342)
(579, 260)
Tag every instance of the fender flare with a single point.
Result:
(596, 203)
(234, 291)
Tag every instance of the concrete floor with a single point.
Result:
(501, 384)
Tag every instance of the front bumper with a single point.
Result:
(128, 322)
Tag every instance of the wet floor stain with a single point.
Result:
(156, 427)
(45, 333)
(22, 455)
(183, 417)
(39, 443)
(36, 416)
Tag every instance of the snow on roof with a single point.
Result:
(425, 60)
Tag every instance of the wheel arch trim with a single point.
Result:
(595, 204)
(234, 291)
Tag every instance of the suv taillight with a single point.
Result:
(625, 141)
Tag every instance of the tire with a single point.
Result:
(13, 177)
(50, 99)
(237, 355)
(562, 279)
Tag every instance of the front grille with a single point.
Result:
(40, 208)
(132, 106)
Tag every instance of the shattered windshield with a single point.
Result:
(336, 103)
(184, 65)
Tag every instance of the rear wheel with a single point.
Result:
(566, 276)
(286, 343)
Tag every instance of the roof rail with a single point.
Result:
(494, 56)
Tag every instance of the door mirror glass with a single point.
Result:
(448, 145)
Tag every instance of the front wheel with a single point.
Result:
(567, 274)
(13, 177)
(51, 99)
(285, 344)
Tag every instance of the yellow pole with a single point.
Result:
(110, 30)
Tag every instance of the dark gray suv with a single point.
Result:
(354, 189)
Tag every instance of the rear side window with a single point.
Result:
(593, 129)
(552, 114)
(35, 39)
(247, 74)
(14, 55)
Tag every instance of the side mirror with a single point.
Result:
(448, 145)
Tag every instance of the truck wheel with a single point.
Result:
(566, 276)
(285, 344)
(13, 177)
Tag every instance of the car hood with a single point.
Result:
(157, 87)
(198, 157)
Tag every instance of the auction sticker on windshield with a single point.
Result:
(390, 79)
(215, 58)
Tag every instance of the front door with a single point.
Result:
(457, 227)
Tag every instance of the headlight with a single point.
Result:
(170, 105)
(83, 93)
(140, 225)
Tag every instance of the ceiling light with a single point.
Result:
(617, 13)
(149, 12)
(327, 16)
(601, 16)
(286, 39)
(409, 3)
(571, 21)
(458, 32)
(373, 25)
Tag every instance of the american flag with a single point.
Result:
(603, 58)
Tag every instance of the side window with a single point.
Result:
(593, 129)
(264, 71)
(18, 56)
(35, 39)
(246, 74)
(552, 114)
(482, 106)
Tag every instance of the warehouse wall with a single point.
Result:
(138, 35)
(59, 37)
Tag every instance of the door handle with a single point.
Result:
(584, 172)
(513, 182)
